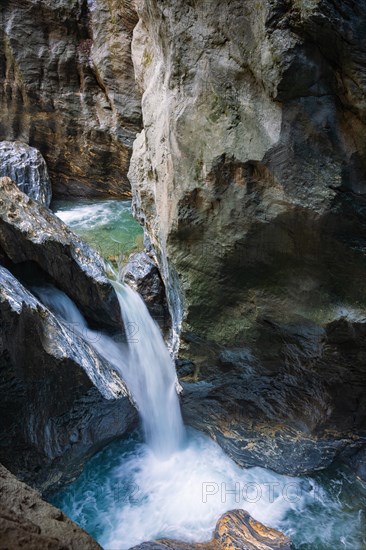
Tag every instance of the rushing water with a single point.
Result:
(108, 226)
(127, 495)
(169, 483)
(151, 376)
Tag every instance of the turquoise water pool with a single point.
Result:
(108, 226)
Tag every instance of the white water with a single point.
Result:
(127, 495)
(183, 497)
(92, 214)
(151, 376)
(174, 486)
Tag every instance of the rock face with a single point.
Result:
(34, 239)
(71, 92)
(292, 403)
(28, 522)
(249, 177)
(59, 400)
(235, 530)
(27, 168)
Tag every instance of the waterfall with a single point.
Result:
(143, 362)
(151, 375)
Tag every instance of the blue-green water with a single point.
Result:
(108, 226)
(126, 495)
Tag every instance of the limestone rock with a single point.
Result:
(30, 523)
(31, 236)
(67, 88)
(27, 168)
(235, 530)
(59, 400)
(249, 177)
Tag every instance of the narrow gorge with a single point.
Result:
(182, 267)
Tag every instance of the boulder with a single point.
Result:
(60, 401)
(28, 522)
(142, 274)
(27, 168)
(234, 530)
(31, 236)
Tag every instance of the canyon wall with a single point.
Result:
(67, 88)
(249, 177)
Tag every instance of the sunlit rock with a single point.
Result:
(234, 530)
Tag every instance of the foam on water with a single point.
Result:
(91, 213)
(127, 495)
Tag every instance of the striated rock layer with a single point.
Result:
(71, 91)
(249, 177)
(235, 530)
(27, 168)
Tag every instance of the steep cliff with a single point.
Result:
(71, 91)
(249, 176)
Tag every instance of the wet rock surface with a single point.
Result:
(32, 236)
(71, 91)
(28, 522)
(60, 401)
(142, 274)
(235, 530)
(27, 168)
